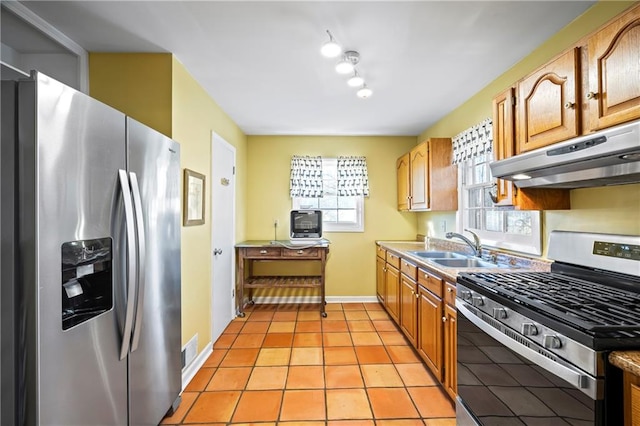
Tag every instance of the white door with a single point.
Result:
(223, 201)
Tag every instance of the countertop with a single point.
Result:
(626, 361)
(402, 249)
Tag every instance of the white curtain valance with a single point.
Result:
(306, 177)
(353, 177)
(473, 142)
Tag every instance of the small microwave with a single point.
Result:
(305, 224)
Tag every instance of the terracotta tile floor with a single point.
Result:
(285, 364)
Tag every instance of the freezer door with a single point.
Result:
(155, 363)
(71, 147)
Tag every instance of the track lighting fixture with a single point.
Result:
(331, 49)
(364, 92)
(355, 80)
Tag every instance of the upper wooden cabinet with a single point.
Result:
(431, 179)
(402, 171)
(548, 108)
(614, 72)
(419, 166)
(506, 193)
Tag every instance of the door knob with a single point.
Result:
(217, 252)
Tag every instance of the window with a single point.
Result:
(496, 226)
(339, 213)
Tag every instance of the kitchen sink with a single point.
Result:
(465, 263)
(438, 255)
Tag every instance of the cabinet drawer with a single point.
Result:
(450, 293)
(430, 282)
(311, 252)
(380, 252)
(409, 269)
(262, 252)
(393, 260)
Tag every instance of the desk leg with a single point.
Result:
(323, 300)
(240, 281)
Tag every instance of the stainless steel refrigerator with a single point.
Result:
(90, 261)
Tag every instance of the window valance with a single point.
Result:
(473, 142)
(353, 177)
(306, 177)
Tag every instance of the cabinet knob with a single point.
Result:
(449, 289)
(413, 292)
(444, 319)
(263, 252)
(417, 296)
(592, 95)
(300, 252)
(569, 105)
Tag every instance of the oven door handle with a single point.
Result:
(576, 378)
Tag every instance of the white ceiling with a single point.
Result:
(260, 60)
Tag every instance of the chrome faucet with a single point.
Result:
(475, 245)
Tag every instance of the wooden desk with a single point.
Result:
(249, 252)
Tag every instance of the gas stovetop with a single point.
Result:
(591, 307)
(591, 295)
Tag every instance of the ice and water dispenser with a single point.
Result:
(87, 280)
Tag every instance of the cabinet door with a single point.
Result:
(419, 166)
(408, 305)
(450, 351)
(547, 104)
(504, 141)
(614, 72)
(392, 292)
(430, 331)
(402, 171)
(380, 278)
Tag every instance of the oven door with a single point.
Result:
(504, 381)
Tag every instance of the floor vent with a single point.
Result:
(190, 351)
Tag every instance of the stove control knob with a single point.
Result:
(550, 341)
(478, 301)
(499, 313)
(465, 295)
(529, 329)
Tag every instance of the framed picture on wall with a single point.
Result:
(193, 210)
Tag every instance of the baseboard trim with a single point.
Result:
(190, 370)
(314, 299)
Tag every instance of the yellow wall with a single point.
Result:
(136, 84)
(351, 266)
(195, 116)
(590, 208)
(157, 90)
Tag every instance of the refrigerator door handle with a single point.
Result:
(132, 266)
(142, 254)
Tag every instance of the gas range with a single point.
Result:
(533, 346)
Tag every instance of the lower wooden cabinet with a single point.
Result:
(631, 399)
(380, 278)
(430, 330)
(450, 350)
(392, 292)
(408, 306)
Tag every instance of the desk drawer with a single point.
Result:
(311, 252)
(262, 252)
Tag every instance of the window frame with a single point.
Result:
(357, 226)
(528, 244)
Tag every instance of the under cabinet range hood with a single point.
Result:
(608, 157)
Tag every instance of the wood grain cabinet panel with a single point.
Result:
(614, 72)
(392, 292)
(548, 108)
(380, 278)
(403, 182)
(409, 310)
(450, 350)
(419, 167)
(430, 331)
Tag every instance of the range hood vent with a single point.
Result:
(608, 157)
